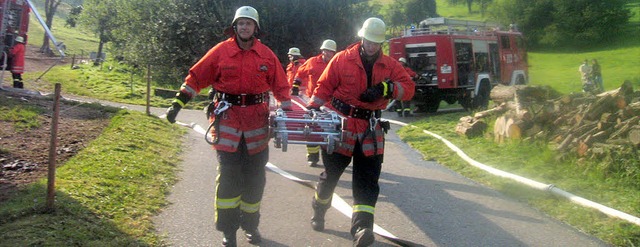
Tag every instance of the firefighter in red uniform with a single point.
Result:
(242, 70)
(295, 61)
(309, 72)
(358, 83)
(404, 109)
(17, 62)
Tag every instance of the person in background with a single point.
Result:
(585, 72)
(404, 107)
(596, 75)
(358, 83)
(17, 62)
(242, 71)
(309, 72)
(295, 61)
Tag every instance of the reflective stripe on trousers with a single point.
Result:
(366, 172)
(239, 188)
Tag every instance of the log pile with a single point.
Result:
(583, 123)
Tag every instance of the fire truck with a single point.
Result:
(14, 21)
(460, 61)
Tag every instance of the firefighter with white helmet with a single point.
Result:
(358, 83)
(295, 61)
(242, 71)
(16, 55)
(307, 78)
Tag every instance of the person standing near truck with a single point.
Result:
(17, 62)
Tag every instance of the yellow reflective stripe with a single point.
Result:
(386, 88)
(249, 207)
(364, 208)
(313, 149)
(192, 92)
(322, 201)
(227, 203)
(179, 102)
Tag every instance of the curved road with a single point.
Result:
(420, 201)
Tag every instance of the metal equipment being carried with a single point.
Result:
(306, 127)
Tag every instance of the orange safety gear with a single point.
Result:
(231, 70)
(310, 72)
(17, 58)
(411, 73)
(292, 69)
(345, 79)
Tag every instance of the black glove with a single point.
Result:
(172, 112)
(382, 89)
(295, 90)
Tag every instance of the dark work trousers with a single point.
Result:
(365, 188)
(241, 177)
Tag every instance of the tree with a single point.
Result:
(402, 13)
(564, 23)
(483, 4)
(101, 16)
(50, 8)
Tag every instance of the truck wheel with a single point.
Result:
(520, 80)
(481, 101)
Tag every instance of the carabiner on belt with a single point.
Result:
(222, 106)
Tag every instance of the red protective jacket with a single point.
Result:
(310, 72)
(292, 69)
(229, 69)
(345, 79)
(17, 58)
(410, 72)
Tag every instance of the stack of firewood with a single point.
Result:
(579, 122)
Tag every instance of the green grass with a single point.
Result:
(21, 117)
(560, 70)
(78, 42)
(579, 177)
(106, 194)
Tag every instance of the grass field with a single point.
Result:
(620, 61)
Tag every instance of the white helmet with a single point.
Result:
(19, 39)
(294, 51)
(329, 45)
(246, 12)
(373, 29)
(402, 60)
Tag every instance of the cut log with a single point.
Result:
(634, 135)
(499, 129)
(471, 127)
(513, 129)
(493, 111)
(501, 93)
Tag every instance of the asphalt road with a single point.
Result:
(420, 201)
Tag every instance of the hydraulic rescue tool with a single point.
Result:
(306, 127)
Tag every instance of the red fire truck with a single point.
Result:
(14, 21)
(460, 61)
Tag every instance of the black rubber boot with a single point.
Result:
(253, 237)
(229, 239)
(313, 159)
(363, 237)
(18, 84)
(317, 221)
